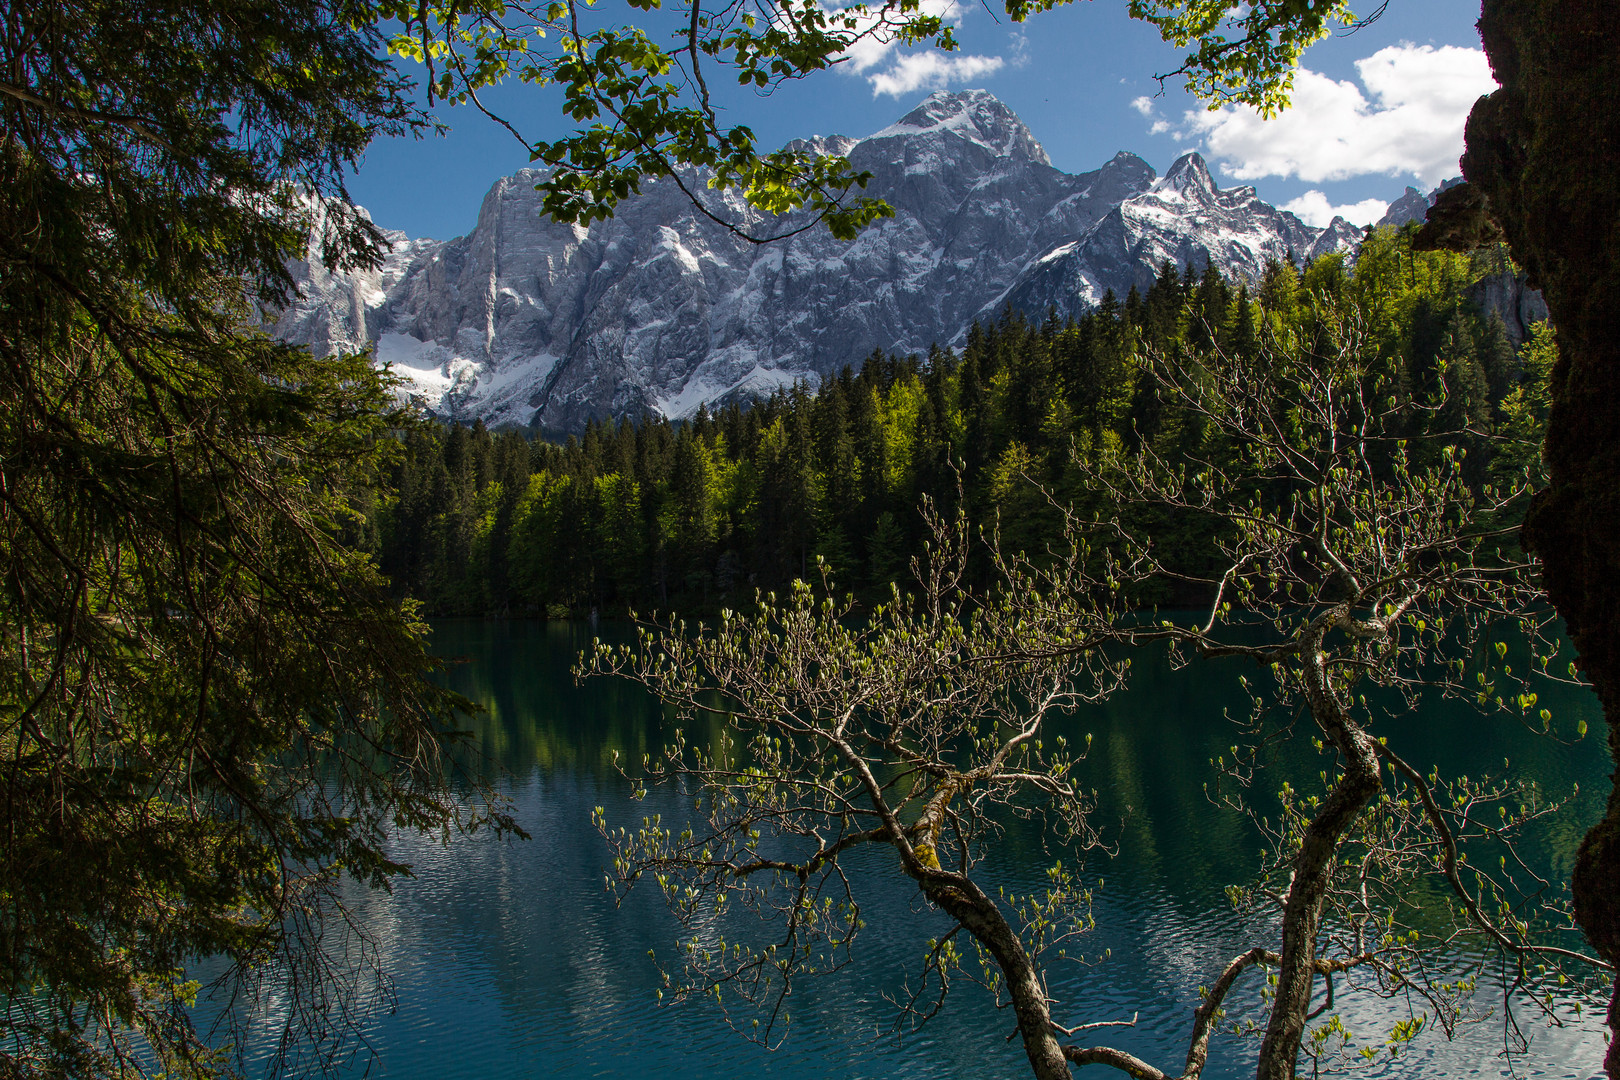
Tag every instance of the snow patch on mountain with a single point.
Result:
(975, 116)
(1182, 218)
(527, 322)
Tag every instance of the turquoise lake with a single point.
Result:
(510, 961)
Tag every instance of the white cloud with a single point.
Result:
(1020, 50)
(1143, 105)
(931, 70)
(877, 43)
(1313, 208)
(1408, 122)
(909, 71)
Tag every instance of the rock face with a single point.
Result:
(1181, 217)
(525, 321)
(1409, 207)
(1505, 292)
(1414, 205)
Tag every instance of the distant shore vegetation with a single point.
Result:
(649, 514)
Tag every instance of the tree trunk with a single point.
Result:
(1313, 873)
(970, 906)
(1545, 152)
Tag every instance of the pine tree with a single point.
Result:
(691, 509)
(207, 693)
(1498, 357)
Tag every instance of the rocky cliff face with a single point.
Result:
(524, 321)
(1505, 292)
(1414, 205)
(1183, 218)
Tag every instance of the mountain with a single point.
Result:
(1411, 206)
(1414, 205)
(524, 321)
(1504, 292)
(1181, 217)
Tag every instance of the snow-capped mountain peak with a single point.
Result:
(527, 322)
(1188, 177)
(974, 115)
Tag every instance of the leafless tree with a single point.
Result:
(1362, 568)
(1352, 558)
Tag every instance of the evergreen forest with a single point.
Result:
(1017, 421)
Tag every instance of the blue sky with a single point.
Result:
(1375, 110)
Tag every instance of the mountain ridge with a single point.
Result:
(525, 322)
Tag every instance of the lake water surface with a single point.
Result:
(510, 961)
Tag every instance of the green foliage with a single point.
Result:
(212, 710)
(1525, 406)
(725, 504)
(823, 743)
(1351, 565)
(645, 110)
(1243, 52)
